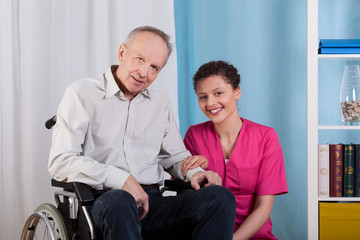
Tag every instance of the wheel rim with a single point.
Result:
(45, 223)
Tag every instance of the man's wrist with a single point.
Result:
(190, 173)
(116, 178)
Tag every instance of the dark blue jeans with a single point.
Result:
(205, 214)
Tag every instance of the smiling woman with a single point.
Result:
(247, 156)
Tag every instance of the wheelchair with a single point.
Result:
(70, 218)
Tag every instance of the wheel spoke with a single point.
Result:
(45, 223)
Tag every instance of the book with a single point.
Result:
(349, 167)
(340, 50)
(357, 170)
(324, 158)
(336, 171)
(339, 43)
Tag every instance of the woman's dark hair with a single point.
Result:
(224, 69)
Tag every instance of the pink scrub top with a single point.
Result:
(255, 168)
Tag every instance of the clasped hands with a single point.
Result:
(199, 179)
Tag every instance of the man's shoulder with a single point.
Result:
(87, 82)
(86, 85)
(159, 94)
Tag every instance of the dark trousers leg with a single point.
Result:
(115, 216)
(204, 215)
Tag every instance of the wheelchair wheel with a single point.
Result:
(45, 223)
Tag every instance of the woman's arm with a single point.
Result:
(256, 219)
(194, 162)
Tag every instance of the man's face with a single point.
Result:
(140, 63)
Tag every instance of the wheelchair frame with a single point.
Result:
(66, 219)
(79, 197)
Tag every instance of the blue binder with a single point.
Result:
(339, 43)
(338, 50)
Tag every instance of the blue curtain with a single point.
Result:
(266, 41)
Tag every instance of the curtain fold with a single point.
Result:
(46, 45)
(9, 100)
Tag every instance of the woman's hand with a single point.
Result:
(193, 162)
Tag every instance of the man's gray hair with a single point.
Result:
(153, 30)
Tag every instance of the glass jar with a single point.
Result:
(350, 95)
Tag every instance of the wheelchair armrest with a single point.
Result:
(83, 192)
(177, 184)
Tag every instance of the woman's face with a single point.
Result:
(217, 99)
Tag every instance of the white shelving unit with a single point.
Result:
(339, 56)
(331, 127)
(313, 126)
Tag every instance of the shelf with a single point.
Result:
(338, 199)
(313, 127)
(337, 127)
(339, 56)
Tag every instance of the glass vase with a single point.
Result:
(350, 95)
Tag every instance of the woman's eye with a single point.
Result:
(218, 93)
(202, 97)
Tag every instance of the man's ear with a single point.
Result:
(121, 52)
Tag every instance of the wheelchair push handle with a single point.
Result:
(51, 122)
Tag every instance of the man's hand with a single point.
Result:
(205, 179)
(193, 162)
(141, 198)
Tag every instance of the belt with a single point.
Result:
(150, 187)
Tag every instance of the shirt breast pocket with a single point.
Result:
(248, 179)
(152, 144)
(242, 180)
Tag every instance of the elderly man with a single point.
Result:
(115, 132)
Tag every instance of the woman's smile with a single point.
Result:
(215, 111)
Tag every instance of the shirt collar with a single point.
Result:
(112, 88)
(146, 93)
